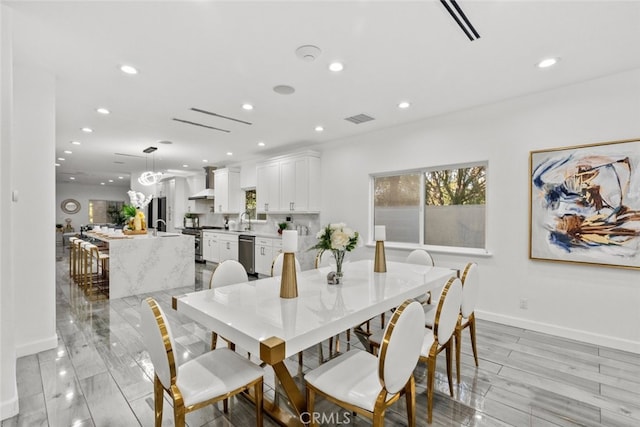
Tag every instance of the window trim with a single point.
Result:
(457, 250)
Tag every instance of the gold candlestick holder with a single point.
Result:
(288, 281)
(379, 261)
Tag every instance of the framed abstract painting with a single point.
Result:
(584, 204)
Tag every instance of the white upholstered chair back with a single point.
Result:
(420, 256)
(401, 345)
(323, 259)
(470, 289)
(157, 338)
(276, 266)
(448, 310)
(227, 273)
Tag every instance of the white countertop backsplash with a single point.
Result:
(269, 229)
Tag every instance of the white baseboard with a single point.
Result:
(37, 346)
(9, 408)
(574, 334)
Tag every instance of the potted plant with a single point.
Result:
(282, 226)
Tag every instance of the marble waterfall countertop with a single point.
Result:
(143, 263)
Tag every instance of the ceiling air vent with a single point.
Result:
(359, 118)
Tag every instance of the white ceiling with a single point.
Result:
(218, 55)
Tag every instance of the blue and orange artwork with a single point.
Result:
(585, 204)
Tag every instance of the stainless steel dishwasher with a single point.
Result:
(246, 252)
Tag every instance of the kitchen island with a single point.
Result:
(143, 263)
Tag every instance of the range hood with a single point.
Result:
(208, 192)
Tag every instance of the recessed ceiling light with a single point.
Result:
(121, 177)
(229, 153)
(336, 67)
(165, 142)
(128, 69)
(72, 178)
(319, 128)
(61, 159)
(68, 152)
(548, 62)
(103, 110)
(261, 144)
(57, 164)
(75, 142)
(87, 130)
(404, 104)
(205, 161)
(185, 166)
(110, 180)
(247, 107)
(102, 183)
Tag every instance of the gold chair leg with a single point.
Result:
(458, 337)
(214, 340)
(310, 405)
(410, 397)
(158, 398)
(431, 373)
(472, 331)
(178, 407)
(378, 417)
(448, 352)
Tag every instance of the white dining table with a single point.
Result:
(253, 316)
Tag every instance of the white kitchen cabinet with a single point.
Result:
(210, 247)
(228, 195)
(299, 184)
(289, 184)
(265, 251)
(268, 187)
(228, 247)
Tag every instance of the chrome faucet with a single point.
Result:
(155, 230)
(247, 215)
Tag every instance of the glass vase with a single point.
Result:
(339, 257)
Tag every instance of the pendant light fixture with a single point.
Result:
(150, 177)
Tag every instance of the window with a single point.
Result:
(443, 206)
(397, 205)
(250, 206)
(105, 212)
(454, 213)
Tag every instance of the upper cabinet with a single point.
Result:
(289, 184)
(228, 197)
(268, 187)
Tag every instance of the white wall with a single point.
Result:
(593, 304)
(8, 387)
(33, 175)
(84, 193)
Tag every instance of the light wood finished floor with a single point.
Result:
(100, 374)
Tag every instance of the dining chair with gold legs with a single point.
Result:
(467, 318)
(441, 337)
(438, 339)
(209, 378)
(367, 384)
(226, 273)
(420, 257)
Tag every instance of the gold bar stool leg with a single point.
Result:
(72, 252)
